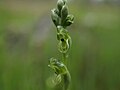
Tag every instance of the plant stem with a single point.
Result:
(64, 58)
(66, 76)
(67, 80)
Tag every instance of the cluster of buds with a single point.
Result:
(61, 16)
(62, 19)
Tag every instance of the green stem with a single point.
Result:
(66, 76)
(64, 58)
(67, 80)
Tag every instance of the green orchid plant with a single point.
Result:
(62, 19)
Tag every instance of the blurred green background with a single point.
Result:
(28, 41)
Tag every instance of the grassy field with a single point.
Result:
(94, 56)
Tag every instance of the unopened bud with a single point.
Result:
(55, 17)
(64, 13)
(70, 17)
(60, 4)
(69, 20)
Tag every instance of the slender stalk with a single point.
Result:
(67, 80)
(64, 58)
(66, 76)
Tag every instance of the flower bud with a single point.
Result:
(64, 13)
(60, 4)
(56, 11)
(55, 17)
(69, 20)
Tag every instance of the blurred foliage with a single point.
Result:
(25, 47)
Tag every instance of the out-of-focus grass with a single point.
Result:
(18, 69)
(99, 46)
(94, 56)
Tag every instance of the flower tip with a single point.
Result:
(60, 4)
